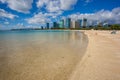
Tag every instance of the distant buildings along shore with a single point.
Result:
(68, 24)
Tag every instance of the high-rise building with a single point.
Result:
(68, 23)
(61, 24)
(42, 27)
(84, 23)
(72, 24)
(55, 25)
(47, 24)
(77, 24)
(64, 22)
(80, 22)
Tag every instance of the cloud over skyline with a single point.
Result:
(38, 12)
(101, 16)
(42, 18)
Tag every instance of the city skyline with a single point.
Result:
(36, 13)
(68, 23)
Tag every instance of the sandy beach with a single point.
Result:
(102, 58)
(71, 59)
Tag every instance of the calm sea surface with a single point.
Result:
(40, 55)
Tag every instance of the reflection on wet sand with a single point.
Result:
(40, 55)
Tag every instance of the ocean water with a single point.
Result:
(40, 55)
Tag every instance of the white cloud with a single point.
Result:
(56, 5)
(38, 18)
(41, 3)
(6, 23)
(67, 4)
(53, 6)
(4, 14)
(19, 5)
(101, 16)
(42, 18)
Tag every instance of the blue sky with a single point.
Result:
(34, 13)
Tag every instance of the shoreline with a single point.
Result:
(46, 56)
(100, 61)
(102, 58)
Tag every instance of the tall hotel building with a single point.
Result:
(80, 22)
(47, 24)
(84, 23)
(76, 24)
(68, 23)
(61, 24)
(55, 25)
(72, 24)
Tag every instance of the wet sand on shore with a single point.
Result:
(102, 58)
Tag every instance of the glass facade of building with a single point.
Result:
(47, 24)
(84, 22)
(61, 24)
(68, 23)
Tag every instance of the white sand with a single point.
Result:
(102, 59)
(40, 62)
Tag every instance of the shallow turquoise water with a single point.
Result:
(14, 38)
(40, 55)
